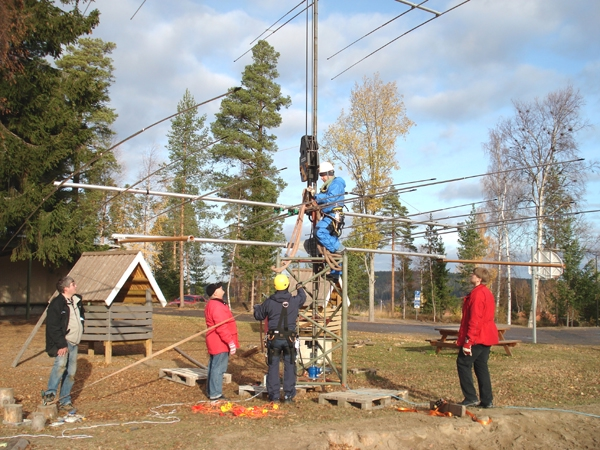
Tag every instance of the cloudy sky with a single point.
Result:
(458, 75)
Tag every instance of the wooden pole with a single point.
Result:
(503, 263)
(31, 336)
(188, 357)
(158, 239)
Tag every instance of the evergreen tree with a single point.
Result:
(358, 288)
(53, 119)
(435, 276)
(401, 237)
(471, 246)
(244, 122)
(188, 168)
(576, 287)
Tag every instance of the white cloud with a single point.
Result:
(458, 74)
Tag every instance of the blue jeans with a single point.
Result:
(63, 370)
(217, 366)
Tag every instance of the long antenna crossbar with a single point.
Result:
(403, 34)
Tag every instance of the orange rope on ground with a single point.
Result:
(235, 410)
(436, 412)
(475, 419)
(406, 409)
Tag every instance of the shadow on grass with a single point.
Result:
(424, 349)
(22, 361)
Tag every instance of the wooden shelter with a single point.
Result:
(118, 290)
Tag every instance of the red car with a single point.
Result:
(188, 300)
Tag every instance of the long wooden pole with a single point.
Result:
(503, 263)
(30, 338)
(160, 352)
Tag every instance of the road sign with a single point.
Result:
(547, 256)
(417, 299)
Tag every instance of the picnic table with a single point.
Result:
(449, 334)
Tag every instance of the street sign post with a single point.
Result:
(417, 303)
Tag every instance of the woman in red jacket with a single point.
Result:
(477, 334)
(221, 341)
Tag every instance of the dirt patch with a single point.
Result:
(135, 409)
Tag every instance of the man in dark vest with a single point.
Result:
(64, 328)
(281, 309)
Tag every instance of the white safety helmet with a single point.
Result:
(326, 167)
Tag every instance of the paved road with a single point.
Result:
(568, 336)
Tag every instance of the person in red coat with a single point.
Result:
(221, 341)
(477, 334)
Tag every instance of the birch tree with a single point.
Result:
(503, 190)
(541, 134)
(364, 142)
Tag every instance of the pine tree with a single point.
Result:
(188, 169)
(244, 122)
(400, 234)
(471, 246)
(435, 276)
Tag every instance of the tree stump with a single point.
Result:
(38, 421)
(13, 414)
(6, 397)
(50, 412)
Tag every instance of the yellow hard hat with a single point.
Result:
(281, 282)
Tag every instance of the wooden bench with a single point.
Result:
(507, 344)
(117, 324)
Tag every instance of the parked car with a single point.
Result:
(188, 300)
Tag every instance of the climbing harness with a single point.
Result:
(336, 225)
(282, 332)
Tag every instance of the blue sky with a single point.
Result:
(458, 75)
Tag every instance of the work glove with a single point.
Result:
(299, 286)
(467, 350)
(310, 190)
(232, 348)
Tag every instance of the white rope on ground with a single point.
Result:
(166, 418)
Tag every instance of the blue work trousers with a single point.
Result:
(330, 241)
(217, 366)
(63, 371)
(281, 350)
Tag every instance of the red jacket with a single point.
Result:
(477, 321)
(217, 340)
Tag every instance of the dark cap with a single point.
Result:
(211, 288)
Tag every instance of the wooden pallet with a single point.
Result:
(250, 391)
(366, 399)
(188, 376)
(261, 391)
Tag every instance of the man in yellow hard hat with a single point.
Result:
(281, 309)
